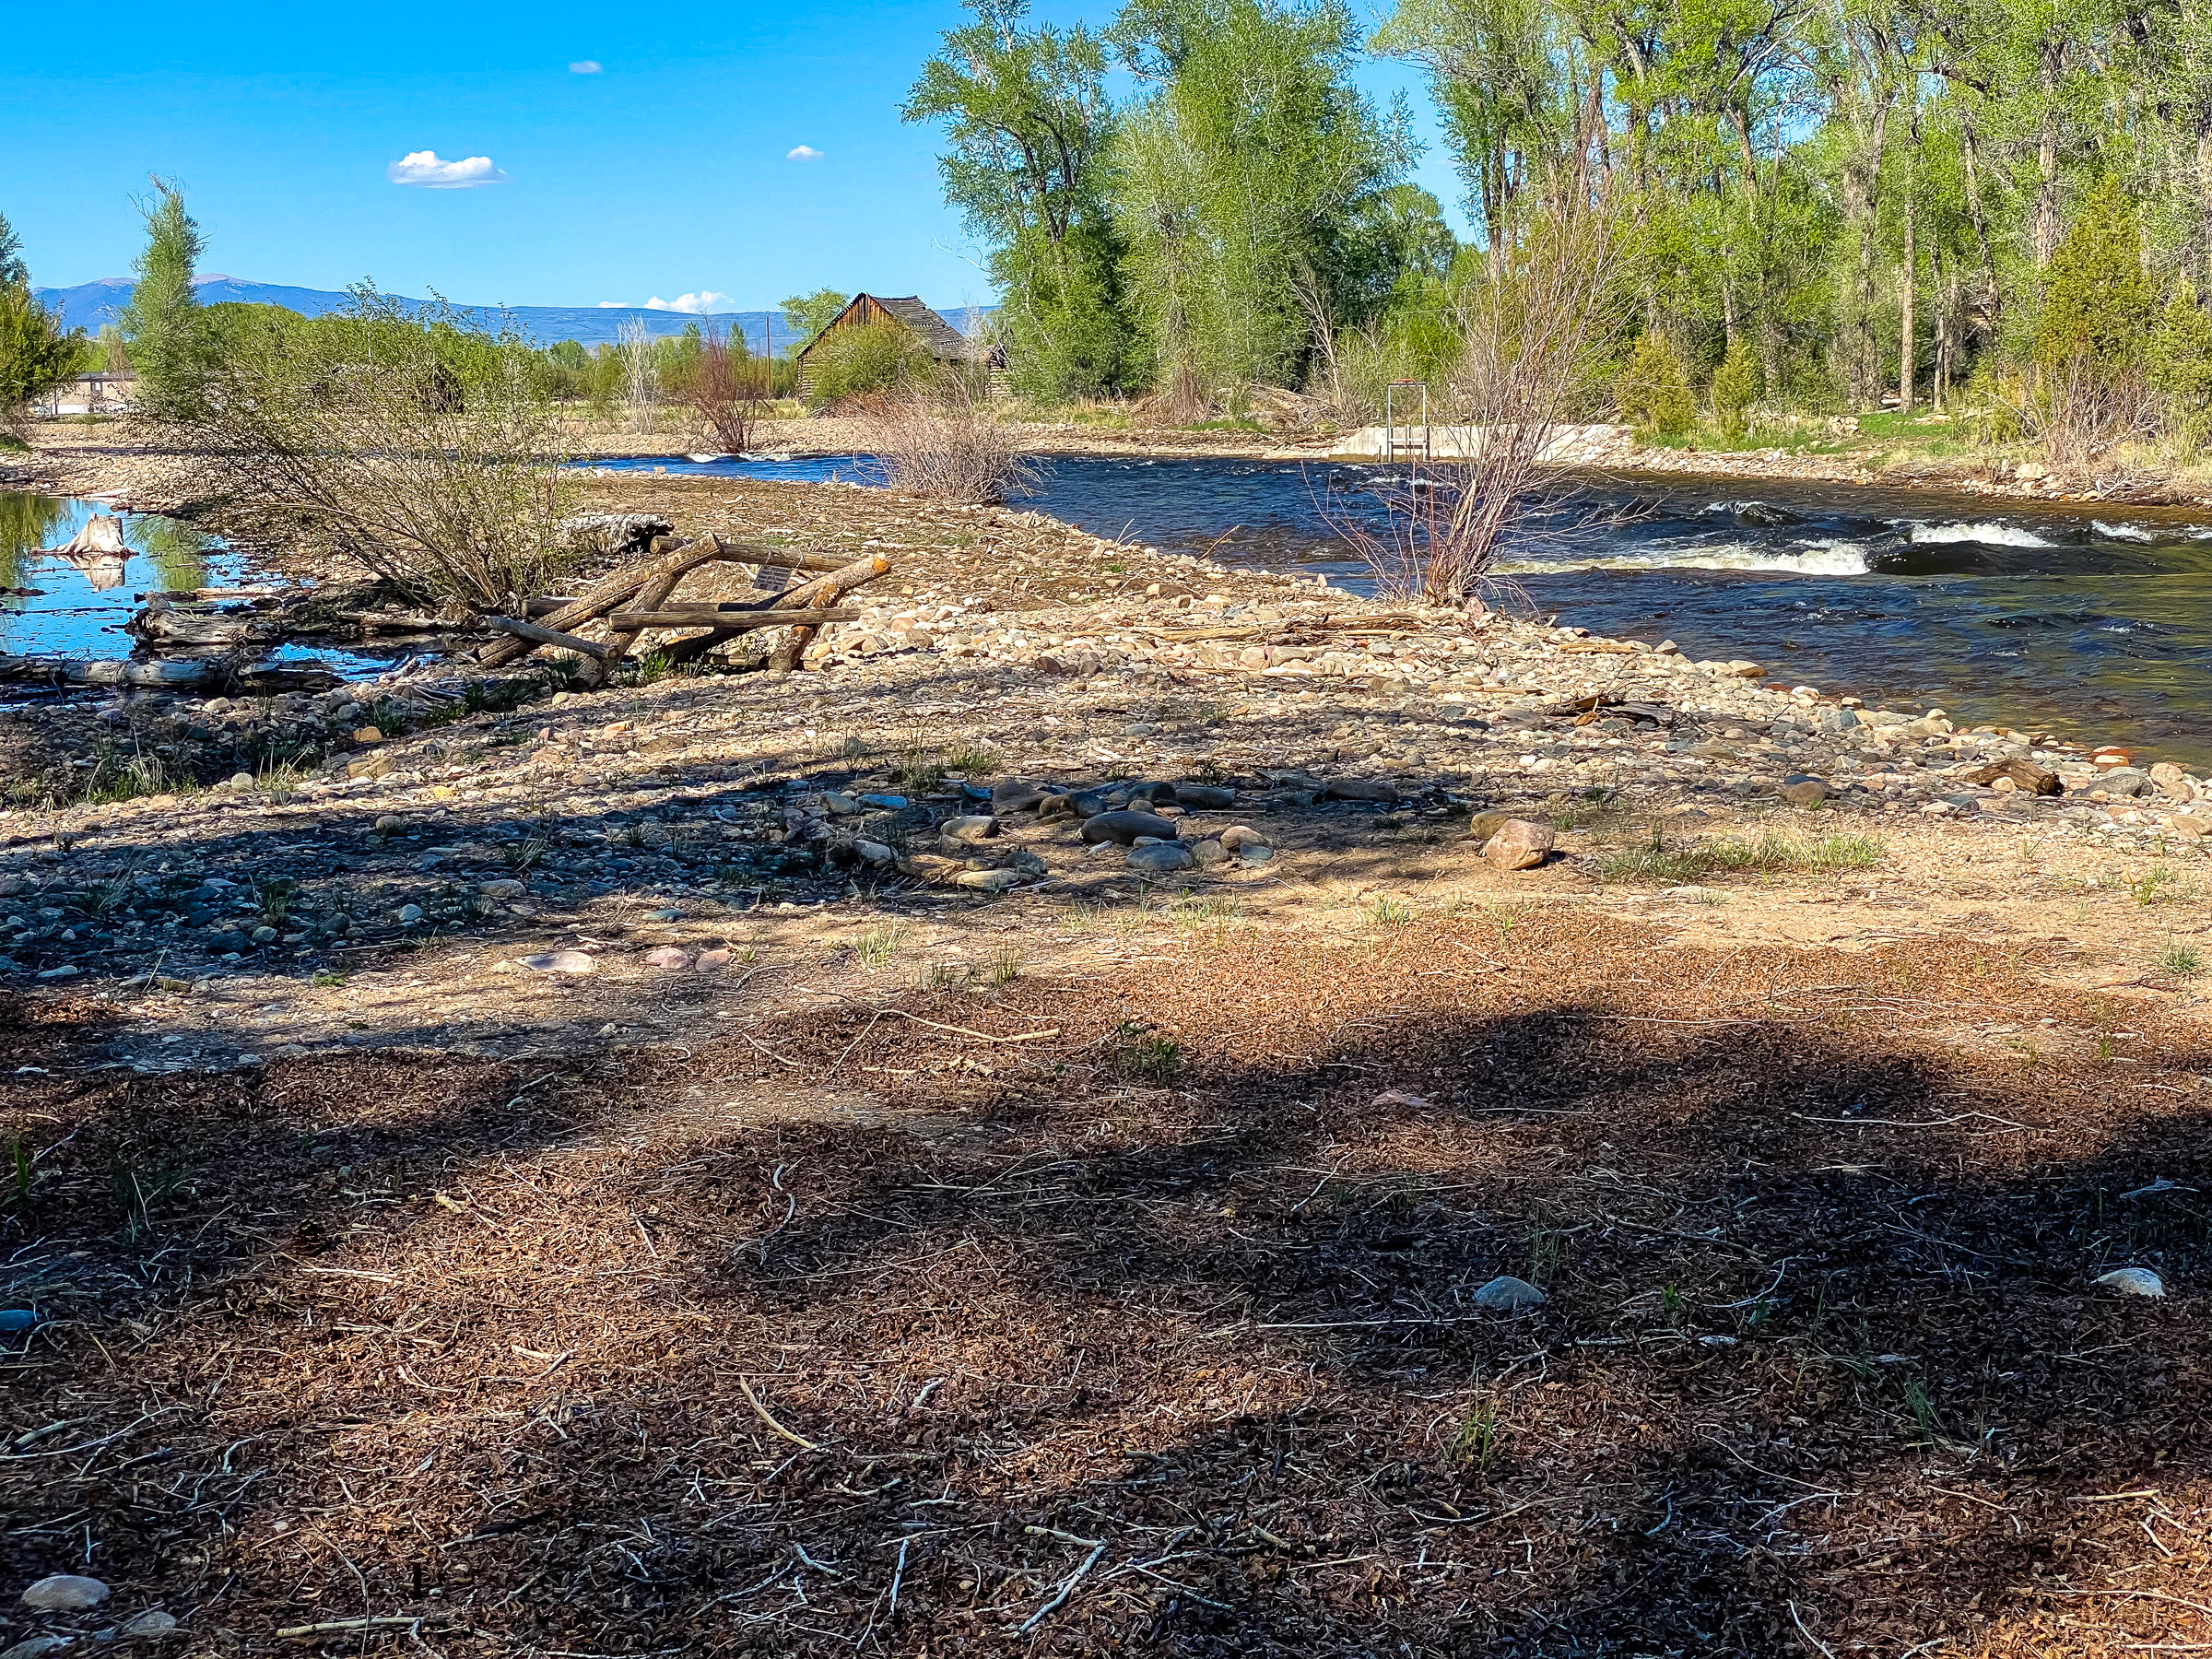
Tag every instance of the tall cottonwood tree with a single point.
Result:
(1026, 122)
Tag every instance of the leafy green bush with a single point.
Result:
(2096, 304)
(1736, 387)
(1653, 390)
(875, 357)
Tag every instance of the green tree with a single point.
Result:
(2181, 368)
(161, 323)
(1026, 122)
(1736, 388)
(1652, 389)
(36, 355)
(13, 271)
(1236, 180)
(808, 314)
(2097, 305)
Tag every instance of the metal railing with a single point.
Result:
(1391, 396)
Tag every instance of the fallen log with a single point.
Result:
(173, 624)
(175, 674)
(398, 621)
(627, 584)
(535, 636)
(730, 622)
(822, 589)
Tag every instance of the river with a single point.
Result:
(2092, 620)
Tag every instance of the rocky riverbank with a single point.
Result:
(159, 837)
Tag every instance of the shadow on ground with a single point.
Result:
(886, 1327)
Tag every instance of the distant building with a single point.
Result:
(945, 344)
(105, 391)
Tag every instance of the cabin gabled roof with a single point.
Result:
(938, 337)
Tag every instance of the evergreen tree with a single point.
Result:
(2097, 305)
(161, 323)
(1652, 389)
(1736, 388)
(13, 271)
(2181, 368)
(36, 355)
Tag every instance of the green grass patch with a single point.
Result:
(1766, 852)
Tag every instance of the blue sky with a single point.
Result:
(664, 173)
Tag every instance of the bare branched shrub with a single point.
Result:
(423, 449)
(729, 391)
(1531, 334)
(640, 382)
(2080, 410)
(946, 441)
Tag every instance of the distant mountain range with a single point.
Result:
(90, 304)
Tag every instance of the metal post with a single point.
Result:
(1390, 419)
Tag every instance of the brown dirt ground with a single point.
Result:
(880, 1319)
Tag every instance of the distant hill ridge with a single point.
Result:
(90, 304)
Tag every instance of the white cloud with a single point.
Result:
(424, 168)
(698, 304)
(587, 67)
(614, 305)
(805, 152)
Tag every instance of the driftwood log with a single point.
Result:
(625, 584)
(167, 624)
(642, 598)
(531, 632)
(731, 622)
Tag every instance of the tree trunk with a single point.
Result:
(1907, 282)
(2048, 59)
(1973, 209)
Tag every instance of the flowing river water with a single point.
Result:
(2092, 620)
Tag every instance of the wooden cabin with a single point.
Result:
(945, 344)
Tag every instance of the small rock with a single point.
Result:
(562, 961)
(668, 957)
(874, 853)
(264, 936)
(506, 887)
(1152, 794)
(241, 779)
(840, 805)
(1519, 844)
(34, 1646)
(989, 882)
(969, 830)
(2189, 823)
(1206, 797)
(665, 915)
(1362, 789)
(1239, 836)
(1801, 789)
(1696, 895)
(1486, 824)
(149, 1625)
(1125, 827)
(2124, 781)
(1255, 852)
(884, 803)
(2133, 1281)
(1207, 854)
(66, 1593)
(390, 824)
(368, 735)
(1508, 1294)
(1011, 794)
(18, 1318)
(1161, 858)
(1057, 805)
(2173, 782)
(712, 961)
(409, 914)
